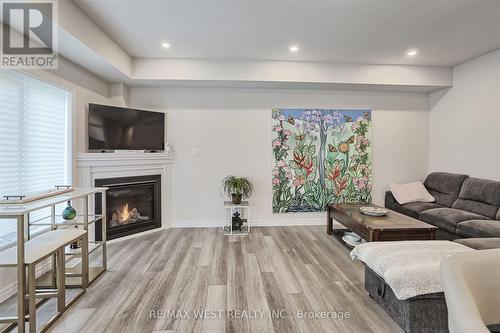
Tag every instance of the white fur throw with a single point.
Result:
(410, 268)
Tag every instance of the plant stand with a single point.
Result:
(243, 209)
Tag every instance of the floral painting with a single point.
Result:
(320, 157)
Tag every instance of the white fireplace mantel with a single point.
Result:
(92, 166)
(121, 159)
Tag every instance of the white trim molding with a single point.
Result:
(255, 223)
(123, 159)
(92, 166)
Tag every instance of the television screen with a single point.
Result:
(115, 128)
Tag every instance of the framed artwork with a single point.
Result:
(321, 156)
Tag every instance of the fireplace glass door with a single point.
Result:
(128, 204)
(133, 204)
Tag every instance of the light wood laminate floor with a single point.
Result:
(272, 277)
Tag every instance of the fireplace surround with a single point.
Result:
(133, 205)
(94, 166)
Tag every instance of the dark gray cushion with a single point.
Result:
(446, 235)
(480, 243)
(444, 187)
(479, 196)
(448, 218)
(389, 201)
(479, 228)
(413, 209)
(494, 328)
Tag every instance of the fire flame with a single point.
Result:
(125, 213)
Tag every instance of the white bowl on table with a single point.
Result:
(373, 211)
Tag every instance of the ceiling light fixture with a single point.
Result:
(294, 48)
(165, 45)
(411, 53)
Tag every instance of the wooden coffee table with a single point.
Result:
(392, 227)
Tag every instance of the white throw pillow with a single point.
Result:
(411, 192)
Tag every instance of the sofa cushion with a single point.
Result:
(410, 192)
(479, 196)
(479, 228)
(448, 218)
(444, 187)
(480, 243)
(413, 209)
(389, 201)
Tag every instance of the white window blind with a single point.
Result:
(35, 139)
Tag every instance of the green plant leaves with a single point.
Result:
(237, 185)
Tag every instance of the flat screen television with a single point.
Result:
(115, 128)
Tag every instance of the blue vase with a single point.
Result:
(69, 212)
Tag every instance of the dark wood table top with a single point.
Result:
(393, 220)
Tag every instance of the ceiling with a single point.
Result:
(446, 32)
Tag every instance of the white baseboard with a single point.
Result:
(197, 224)
(255, 223)
(220, 223)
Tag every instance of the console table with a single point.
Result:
(20, 211)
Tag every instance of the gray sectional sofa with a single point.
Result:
(466, 210)
(465, 207)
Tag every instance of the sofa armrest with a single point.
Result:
(390, 201)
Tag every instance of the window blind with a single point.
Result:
(35, 140)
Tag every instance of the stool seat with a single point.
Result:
(41, 246)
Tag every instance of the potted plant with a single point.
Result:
(237, 188)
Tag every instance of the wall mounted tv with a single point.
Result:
(114, 128)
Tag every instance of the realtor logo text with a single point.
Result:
(29, 35)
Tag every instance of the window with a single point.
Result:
(35, 140)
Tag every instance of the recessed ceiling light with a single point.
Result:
(165, 45)
(294, 48)
(411, 53)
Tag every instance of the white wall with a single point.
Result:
(465, 120)
(231, 128)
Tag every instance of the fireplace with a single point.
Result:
(133, 205)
